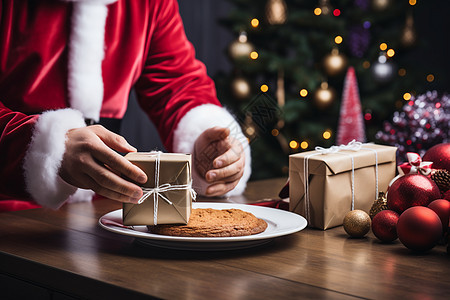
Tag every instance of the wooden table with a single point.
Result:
(64, 254)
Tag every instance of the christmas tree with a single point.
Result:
(297, 52)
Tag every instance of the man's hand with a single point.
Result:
(90, 162)
(220, 159)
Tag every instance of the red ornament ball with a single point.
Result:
(442, 208)
(411, 190)
(384, 225)
(419, 228)
(439, 155)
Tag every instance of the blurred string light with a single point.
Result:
(254, 55)
(401, 72)
(264, 88)
(317, 11)
(412, 2)
(430, 77)
(293, 144)
(383, 46)
(366, 64)
(303, 92)
(336, 12)
(407, 96)
(390, 52)
(338, 39)
(275, 132)
(326, 134)
(254, 22)
(304, 145)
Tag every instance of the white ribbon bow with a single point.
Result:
(159, 189)
(353, 146)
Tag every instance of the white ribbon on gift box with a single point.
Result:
(352, 146)
(159, 189)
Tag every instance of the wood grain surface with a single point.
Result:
(66, 253)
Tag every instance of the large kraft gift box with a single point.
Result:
(330, 182)
(174, 169)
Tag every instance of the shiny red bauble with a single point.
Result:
(442, 208)
(419, 228)
(411, 190)
(384, 225)
(439, 155)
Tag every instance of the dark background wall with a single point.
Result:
(210, 41)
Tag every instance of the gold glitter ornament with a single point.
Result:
(334, 63)
(324, 96)
(378, 205)
(380, 4)
(240, 88)
(357, 223)
(241, 48)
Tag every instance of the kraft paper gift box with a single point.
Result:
(334, 187)
(173, 177)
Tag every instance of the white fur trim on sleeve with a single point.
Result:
(44, 156)
(198, 120)
(86, 53)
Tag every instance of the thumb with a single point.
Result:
(216, 133)
(114, 141)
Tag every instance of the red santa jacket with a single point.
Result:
(62, 62)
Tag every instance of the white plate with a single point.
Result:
(280, 223)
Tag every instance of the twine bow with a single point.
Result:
(352, 146)
(159, 189)
(415, 165)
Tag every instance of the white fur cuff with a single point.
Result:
(193, 124)
(44, 156)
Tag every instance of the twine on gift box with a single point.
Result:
(352, 146)
(159, 189)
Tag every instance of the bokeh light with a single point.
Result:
(303, 92)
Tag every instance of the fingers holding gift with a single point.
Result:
(90, 163)
(89, 174)
(110, 185)
(119, 165)
(121, 193)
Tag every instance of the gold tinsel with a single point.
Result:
(442, 179)
(378, 205)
